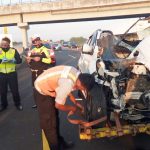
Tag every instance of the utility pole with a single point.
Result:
(5, 30)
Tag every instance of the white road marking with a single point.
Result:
(72, 56)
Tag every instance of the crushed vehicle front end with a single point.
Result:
(123, 92)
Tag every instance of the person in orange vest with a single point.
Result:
(53, 87)
(38, 59)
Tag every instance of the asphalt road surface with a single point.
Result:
(20, 130)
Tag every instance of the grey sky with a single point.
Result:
(58, 31)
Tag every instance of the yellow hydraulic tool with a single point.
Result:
(89, 133)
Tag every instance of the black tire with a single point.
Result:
(95, 105)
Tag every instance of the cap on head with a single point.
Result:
(34, 37)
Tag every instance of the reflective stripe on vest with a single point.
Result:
(7, 67)
(36, 50)
(70, 73)
(67, 72)
(47, 82)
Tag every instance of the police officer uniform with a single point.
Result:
(9, 57)
(37, 67)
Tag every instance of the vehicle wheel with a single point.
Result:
(95, 105)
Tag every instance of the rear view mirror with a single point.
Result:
(87, 49)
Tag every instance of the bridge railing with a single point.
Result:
(15, 2)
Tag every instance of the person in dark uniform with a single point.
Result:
(9, 57)
(38, 59)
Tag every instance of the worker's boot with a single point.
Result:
(19, 107)
(65, 144)
(3, 108)
(54, 147)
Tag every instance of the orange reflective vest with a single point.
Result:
(47, 82)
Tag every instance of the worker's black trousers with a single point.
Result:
(34, 76)
(49, 119)
(10, 80)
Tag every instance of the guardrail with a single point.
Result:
(15, 2)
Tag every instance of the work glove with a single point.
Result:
(4, 60)
(12, 61)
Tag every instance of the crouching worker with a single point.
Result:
(53, 87)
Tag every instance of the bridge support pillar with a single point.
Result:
(24, 27)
